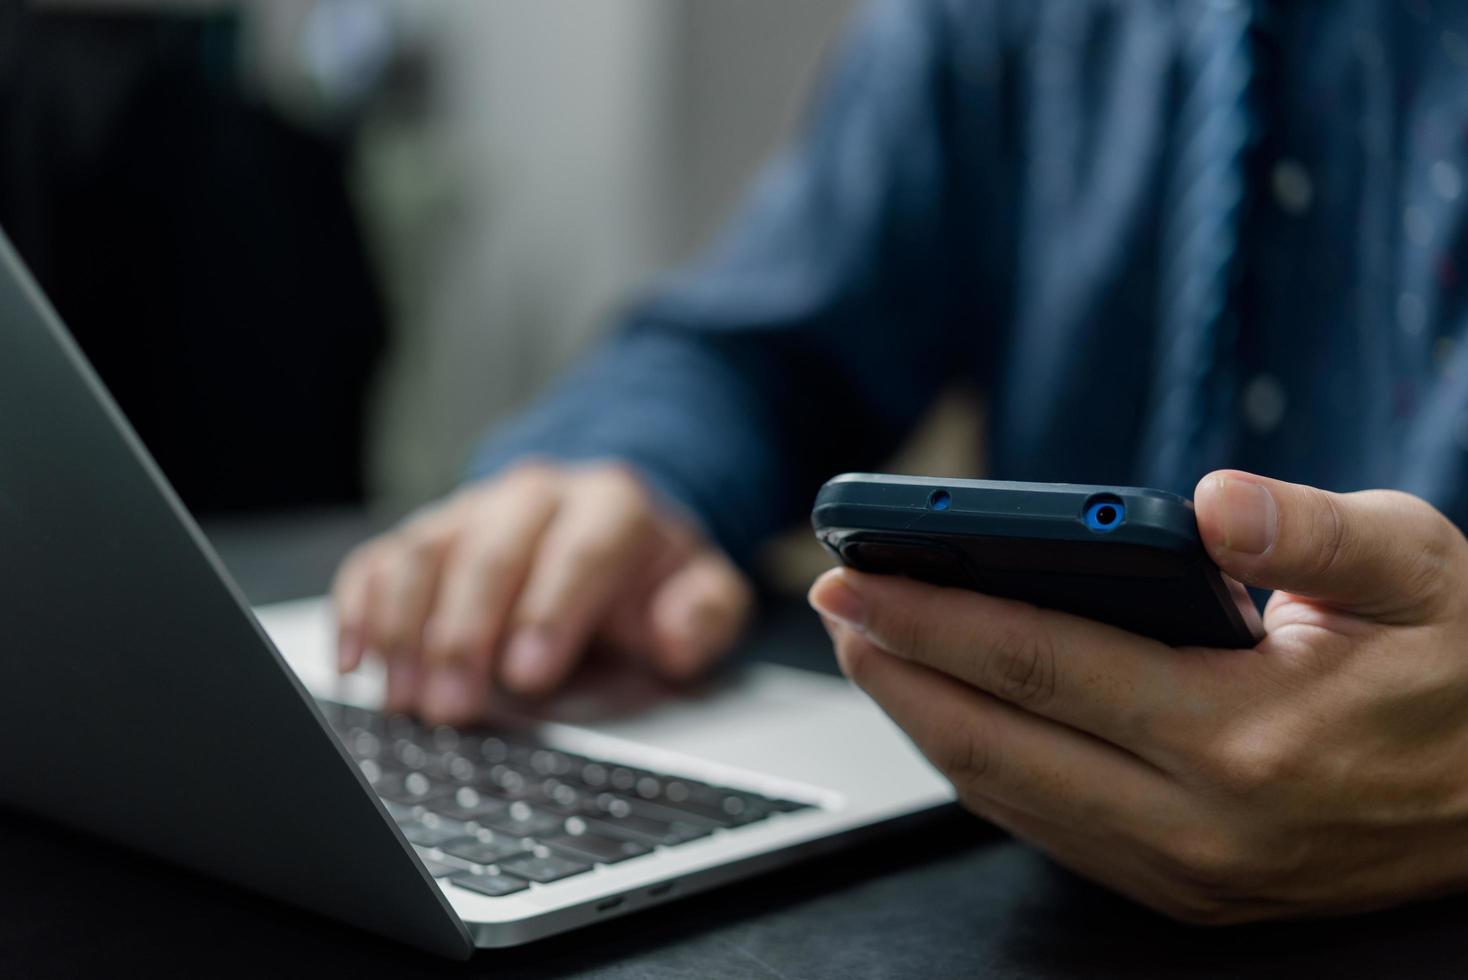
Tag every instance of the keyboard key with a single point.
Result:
(595, 847)
(398, 726)
(553, 794)
(551, 867)
(549, 762)
(410, 788)
(493, 885)
(437, 868)
(730, 811)
(732, 803)
(444, 738)
(524, 820)
(493, 750)
(363, 744)
(503, 781)
(451, 766)
(482, 851)
(469, 806)
(418, 833)
(714, 803)
(398, 811)
(646, 829)
(347, 719)
(617, 805)
(409, 753)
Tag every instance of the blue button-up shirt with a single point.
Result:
(982, 194)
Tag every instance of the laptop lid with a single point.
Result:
(139, 698)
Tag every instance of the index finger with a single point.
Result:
(1129, 690)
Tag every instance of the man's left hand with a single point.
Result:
(1325, 770)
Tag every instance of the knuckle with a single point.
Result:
(397, 624)
(900, 629)
(1210, 865)
(592, 550)
(853, 657)
(1428, 575)
(418, 549)
(637, 522)
(1424, 581)
(529, 475)
(1020, 665)
(683, 662)
(963, 752)
(622, 478)
(458, 642)
(489, 567)
(1330, 533)
(393, 628)
(391, 551)
(1250, 762)
(622, 490)
(535, 619)
(367, 558)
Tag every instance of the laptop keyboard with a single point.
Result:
(495, 811)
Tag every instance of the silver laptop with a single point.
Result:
(143, 701)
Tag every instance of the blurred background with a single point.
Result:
(317, 248)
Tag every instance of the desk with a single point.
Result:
(948, 899)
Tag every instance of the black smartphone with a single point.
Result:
(1122, 555)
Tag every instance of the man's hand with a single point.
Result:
(1325, 770)
(507, 582)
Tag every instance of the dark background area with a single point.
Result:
(201, 248)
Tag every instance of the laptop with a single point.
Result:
(143, 701)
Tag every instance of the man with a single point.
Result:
(1163, 237)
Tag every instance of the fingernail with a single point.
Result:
(528, 659)
(1248, 515)
(834, 596)
(449, 693)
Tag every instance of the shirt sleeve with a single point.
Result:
(813, 334)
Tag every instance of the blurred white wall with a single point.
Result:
(562, 153)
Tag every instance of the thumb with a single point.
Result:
(1379, 553)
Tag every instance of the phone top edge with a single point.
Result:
(873, 502)
(951, 483)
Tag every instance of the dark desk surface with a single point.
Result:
(946, 899)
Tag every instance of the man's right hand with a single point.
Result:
(507, 582)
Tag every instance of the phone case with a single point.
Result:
(1126, 556)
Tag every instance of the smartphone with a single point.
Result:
(1121, 555)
